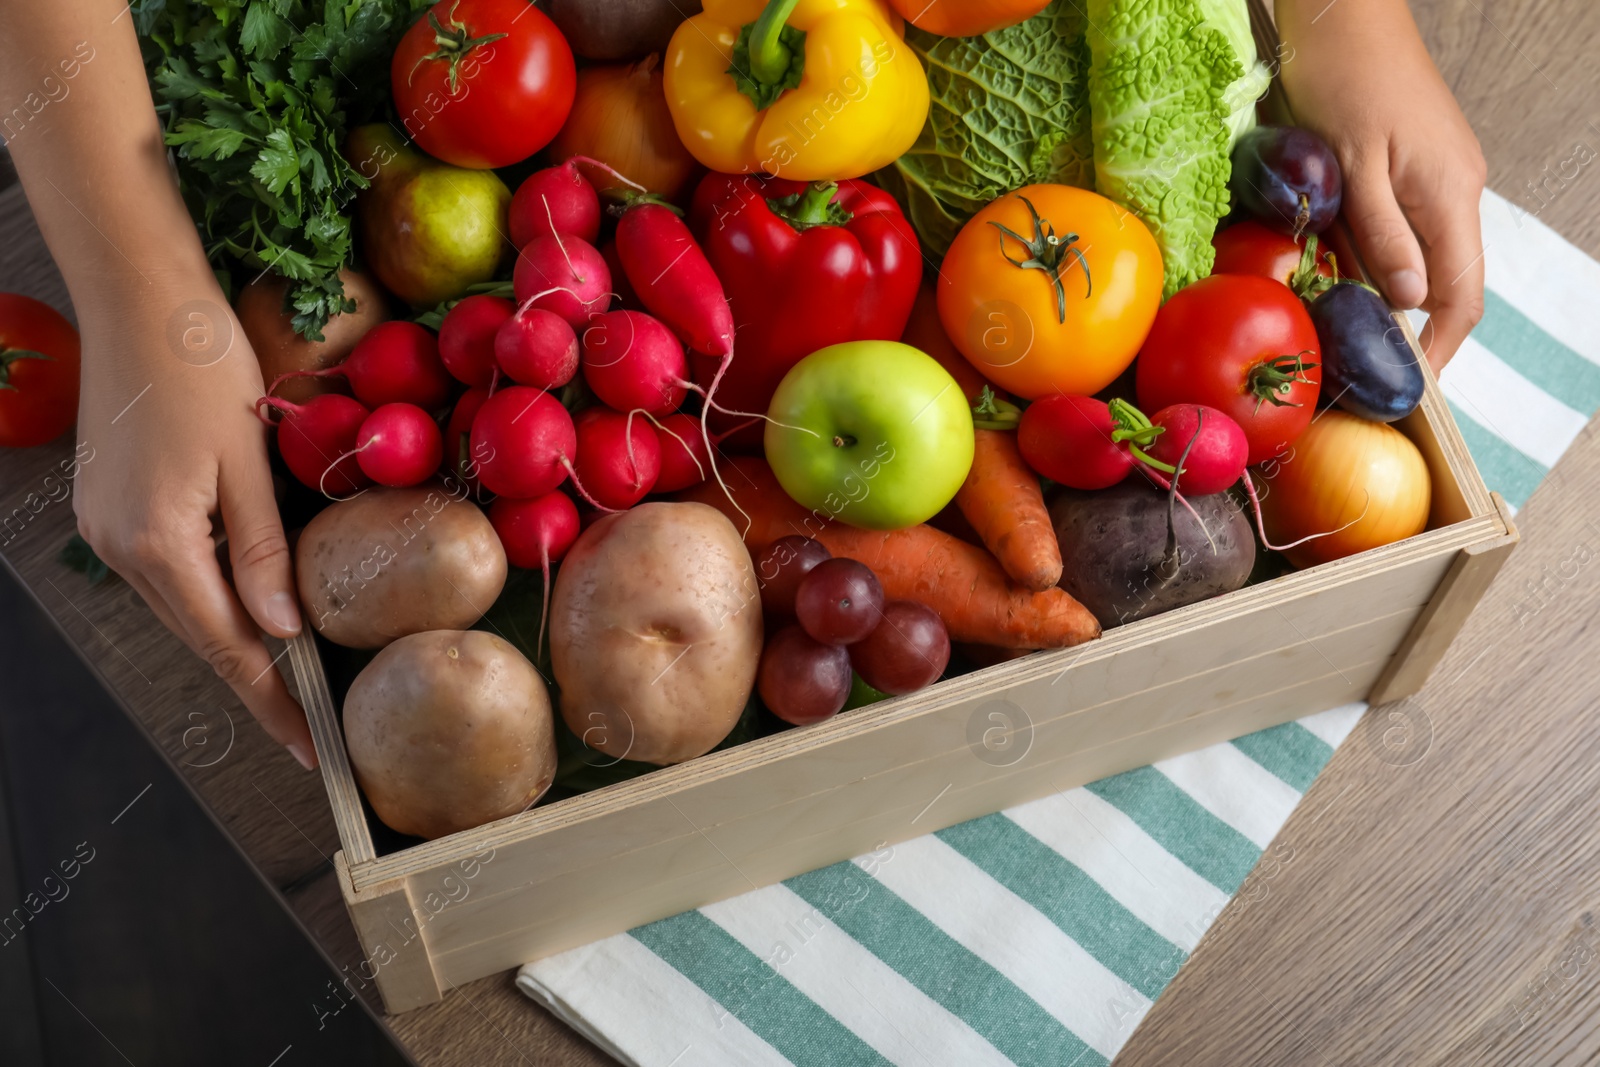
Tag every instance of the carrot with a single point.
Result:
(1001, 496)
(961, 582)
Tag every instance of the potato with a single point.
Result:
(1114, 541)
(619, 29)
(280, 350)
(655, 632)
(449, 730)
(393, 562)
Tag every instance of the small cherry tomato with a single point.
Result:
(1250, 248)
(1243, 345)
(38, 372)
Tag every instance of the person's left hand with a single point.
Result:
(1359, 76)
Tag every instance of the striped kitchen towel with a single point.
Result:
(1043, 934)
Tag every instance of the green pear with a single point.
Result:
(428, 230)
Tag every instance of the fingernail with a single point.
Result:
(282, 613)
(298, 751)
(1406, 288)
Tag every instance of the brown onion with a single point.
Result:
(620, 118)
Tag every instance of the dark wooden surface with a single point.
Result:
(1429, 905)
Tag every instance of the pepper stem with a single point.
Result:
(770, 58)
(814, 207)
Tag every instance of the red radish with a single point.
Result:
(1084, 443)
(536, 533)
(634, 363)
(684, 461)
(316, 438)
(555, 200)
(566, 275)
(458, 461)
(395, 362)
(1217, 459)
(523, 442)
(466, 337)
(538, 348)
(618, 458)
(672, 276)
(399, 445)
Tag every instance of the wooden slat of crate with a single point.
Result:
(500, 948)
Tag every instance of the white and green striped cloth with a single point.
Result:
(1042, 935)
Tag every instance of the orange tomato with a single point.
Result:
(1058, 301)
(1363, 484)
(966, 18)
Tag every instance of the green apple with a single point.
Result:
(428, 230)
(874, 433)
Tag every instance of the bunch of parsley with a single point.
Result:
(256, 97)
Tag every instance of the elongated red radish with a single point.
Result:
(536, 533)
(684, 460)
(458, 461)
(1084, 443)
(672, 277)
(523, 442)
(538, 348)
(466, 337)
(1217, 459)
(398, 445)
(618, 457)
(315, 439)
(563, 274)
(556, 200)
(634, 363)
(395, 362)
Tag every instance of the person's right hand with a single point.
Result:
(169, 387)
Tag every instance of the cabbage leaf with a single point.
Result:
(1158, 81)
(1010, 108)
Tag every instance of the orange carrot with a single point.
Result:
(961, 582)
(1001, 497)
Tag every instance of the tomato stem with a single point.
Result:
(451, 44)
(1276, 377)
(1047, 252)
(9, 356)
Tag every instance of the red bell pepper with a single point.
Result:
(805, 267)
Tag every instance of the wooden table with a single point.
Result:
(1432, 912)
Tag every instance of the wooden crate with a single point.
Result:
(1372, 626)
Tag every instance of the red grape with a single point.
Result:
(908, 651)
(782, 565)
(803, 681)
(839, 602)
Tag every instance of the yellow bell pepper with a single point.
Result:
(815, 90)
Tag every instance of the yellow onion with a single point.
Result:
(620, 118)
(1363, 484)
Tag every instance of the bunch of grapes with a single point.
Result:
(833, 625)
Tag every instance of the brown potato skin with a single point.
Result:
(393, 562)
(655, 632)
(448, 730)
(280, 350)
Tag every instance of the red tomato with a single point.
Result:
(38, 372)
(483, 83)
(1251, 248)
(1243, 345)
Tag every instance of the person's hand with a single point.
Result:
(1357, 74)
(167, 406)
